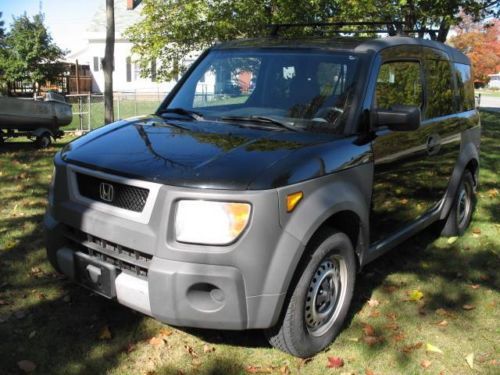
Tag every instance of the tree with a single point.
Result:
(171, 29)
(108, 62)
(482, 45)
(2, 53)
(30, 55)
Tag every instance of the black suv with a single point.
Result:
(272, 173)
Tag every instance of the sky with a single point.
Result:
(67, 20)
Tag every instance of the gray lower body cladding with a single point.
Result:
(239, 286)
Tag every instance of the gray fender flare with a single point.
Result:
(468, 151)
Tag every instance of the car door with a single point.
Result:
(403, 173)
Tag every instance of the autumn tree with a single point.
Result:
(171, 29)
(482, 45)
(29, 54)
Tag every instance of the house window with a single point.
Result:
(96, 63)
(137, 71)
(128, 64)
(153, 70)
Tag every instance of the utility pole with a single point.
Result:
(108, 62)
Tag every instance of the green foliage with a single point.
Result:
(171, 29)
(30, 55)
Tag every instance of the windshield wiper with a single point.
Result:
(262, 119)
(184, 112)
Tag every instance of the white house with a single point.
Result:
(494, 81)
(126, 76)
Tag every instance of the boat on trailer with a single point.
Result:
(35, 119)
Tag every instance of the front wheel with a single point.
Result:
(320, 301)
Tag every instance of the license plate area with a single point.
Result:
(95, 275)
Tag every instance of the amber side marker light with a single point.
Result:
(292, 200)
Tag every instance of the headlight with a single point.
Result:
(210, 222)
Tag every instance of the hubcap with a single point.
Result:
(463, 207)
(326, 291)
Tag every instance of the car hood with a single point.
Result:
(198, 154)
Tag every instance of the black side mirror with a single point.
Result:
(398, 117)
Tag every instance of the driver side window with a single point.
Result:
(399, 83)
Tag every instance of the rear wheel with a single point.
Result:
(461, 212)
(319, 304)
(43, 141)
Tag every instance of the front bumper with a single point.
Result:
(240, 286)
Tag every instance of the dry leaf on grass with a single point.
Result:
(156, 341)
(190, 351)
(258, 370)
(373, 302)
(372, 340)
(368, 330)
(442, 323)
(432, 348)
(425, 363)
(470, 360)
(415, 295)
(208, 349)
(412, 347)
(335, 362)
(104, 333)
(369, 372)
(468, 307)
(165, 332)
(26, 366)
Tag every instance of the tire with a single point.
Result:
(460, 213)
(318, 305)
(43, 141)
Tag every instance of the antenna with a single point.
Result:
(40, 7)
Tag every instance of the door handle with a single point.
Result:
(433, 144)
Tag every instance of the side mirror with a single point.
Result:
(398, 117)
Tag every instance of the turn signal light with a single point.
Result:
(292, 200)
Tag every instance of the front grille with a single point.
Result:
(126, 259)
(129, 197)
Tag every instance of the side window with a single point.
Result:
(439, 88)
(465, 86)
(399, 83)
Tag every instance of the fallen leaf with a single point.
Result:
(156, 341)
(26, 366)
(284, 370)
(105, 333)
(373, 302)
(374, 314)
(369, 372)
(475, 286)
(425, 363)
(391, 316)
(258, 370)
(165, 332)
(452, 240)
(368, 330)
(443, 312)
(492, 193)
(432, 348)
(304, 361)
(415, 295)
(470, 360)
(476, 230)
(392, 325)
(390, 288)
(398, 337)
(372, 340)
(208, 349)
(190, 351)
(443, 323)
(468, 307)
(403, 201)
(353, 339)
(410, 348)
(335, 362)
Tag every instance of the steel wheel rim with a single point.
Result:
(463, 206)
(325, 295)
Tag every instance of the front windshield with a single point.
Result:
(302, 88)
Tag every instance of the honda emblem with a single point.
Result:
(106, 192)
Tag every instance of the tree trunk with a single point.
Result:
(108, 61)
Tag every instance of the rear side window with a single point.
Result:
(399, 83)
(439, 88)
(465, 86)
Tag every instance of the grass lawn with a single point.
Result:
(487, 92)
(426, 307)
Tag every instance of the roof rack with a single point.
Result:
(392, 28)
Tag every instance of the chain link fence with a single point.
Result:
(88, 109)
